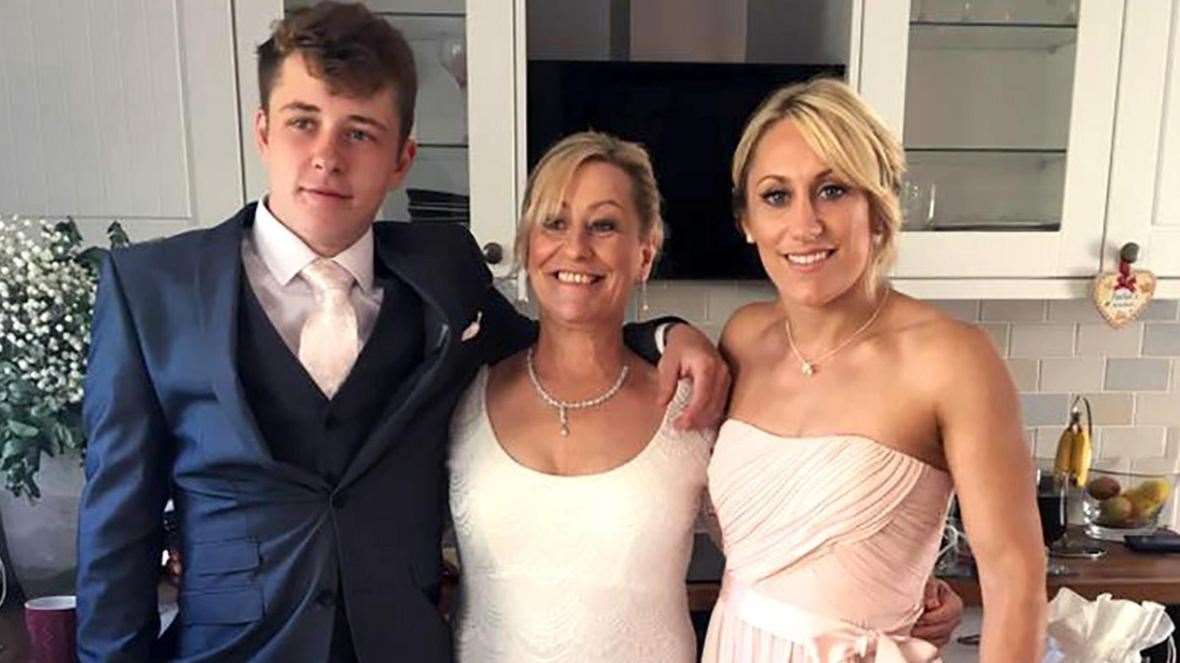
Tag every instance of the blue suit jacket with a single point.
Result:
(262, 540)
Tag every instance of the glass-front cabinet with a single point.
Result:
(1006, 109)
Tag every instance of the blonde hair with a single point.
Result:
(553, 173)
(851, 139)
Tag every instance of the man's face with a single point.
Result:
(330, 159)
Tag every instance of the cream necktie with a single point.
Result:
(328, 340)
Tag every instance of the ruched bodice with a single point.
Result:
(829, 542)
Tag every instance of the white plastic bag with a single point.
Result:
(1104, 630)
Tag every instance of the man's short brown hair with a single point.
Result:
(355, 52)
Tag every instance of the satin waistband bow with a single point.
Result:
(826, 639)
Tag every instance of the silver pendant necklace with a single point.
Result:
(563, 407)
(807, 367)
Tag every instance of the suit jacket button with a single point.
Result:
(338, 501)
(326, 598)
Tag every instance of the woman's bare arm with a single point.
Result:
(980, 425)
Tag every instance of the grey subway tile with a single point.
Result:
(1045, 409)
(1137, 374)
(1162, 339)
(1012, 310)
(1041, 340)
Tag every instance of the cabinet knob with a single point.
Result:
(493, 253)
(1129, 253)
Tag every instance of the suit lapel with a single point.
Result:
(452, 284)
(219, 287)
(452, 288)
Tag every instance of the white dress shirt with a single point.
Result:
(273, 256)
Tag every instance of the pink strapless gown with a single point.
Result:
(828, 543)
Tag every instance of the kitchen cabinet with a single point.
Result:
(496, 117)
(1006, 112)
(1041, 134)
(1145, 169)
(122, 111)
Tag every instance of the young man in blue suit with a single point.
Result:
(287, 377)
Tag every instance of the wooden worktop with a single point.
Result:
(1121, 573)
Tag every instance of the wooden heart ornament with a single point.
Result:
(1121, 296)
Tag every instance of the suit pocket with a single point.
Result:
(239, 606)
(220, 564)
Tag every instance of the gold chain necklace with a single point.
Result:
(808, 367)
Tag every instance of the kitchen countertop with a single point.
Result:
(1122, 573)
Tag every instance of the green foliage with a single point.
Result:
(47, 288)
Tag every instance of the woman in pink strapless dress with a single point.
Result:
(855, 413)
(843, 527)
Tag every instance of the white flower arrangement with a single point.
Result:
(47, 287)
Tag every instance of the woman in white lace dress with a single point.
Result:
(573, 499)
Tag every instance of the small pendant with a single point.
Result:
(565, 422)
(807, 369)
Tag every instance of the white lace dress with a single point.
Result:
(582, 569)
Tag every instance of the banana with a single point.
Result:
(1080, 460)
(1064, 455)
(1074, 450)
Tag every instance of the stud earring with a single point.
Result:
(749, 238)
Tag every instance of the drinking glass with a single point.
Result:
(1051, 492)
(917, 201)
(452, 55)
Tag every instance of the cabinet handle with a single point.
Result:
(1129, 253)
(493, 253)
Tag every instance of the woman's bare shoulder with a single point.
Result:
(746, 325)
(946, 349)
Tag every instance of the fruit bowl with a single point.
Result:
(1118, 503)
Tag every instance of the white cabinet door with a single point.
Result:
(1145, 175)
(120, 110)
(495, 125)
(1006, 110)
(253, 22)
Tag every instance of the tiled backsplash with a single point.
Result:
(1054, 350)
(1060, 348)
